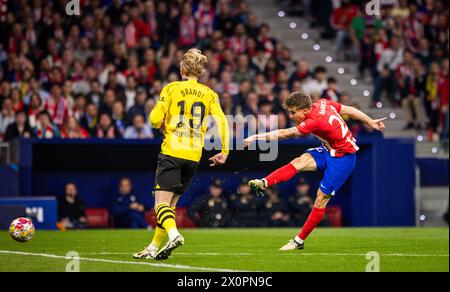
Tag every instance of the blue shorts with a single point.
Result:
(337, 169)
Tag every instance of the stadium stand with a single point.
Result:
(367, 38)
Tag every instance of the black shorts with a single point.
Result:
(174, 174)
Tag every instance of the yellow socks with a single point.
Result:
(158, 237)
(166, 219)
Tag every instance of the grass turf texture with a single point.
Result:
(400, 249)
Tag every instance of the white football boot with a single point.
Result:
(146, 254)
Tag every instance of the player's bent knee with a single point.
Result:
(304, 163)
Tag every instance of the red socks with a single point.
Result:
(313, 220)
(281, 175)
(284, 174)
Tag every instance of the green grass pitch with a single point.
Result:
(345, 249)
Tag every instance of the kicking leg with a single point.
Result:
(337, 171)
(303, 163)
(315, 217)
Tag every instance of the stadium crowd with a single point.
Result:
(98, 75)
(403, 51)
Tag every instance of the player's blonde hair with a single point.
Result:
(193, 63)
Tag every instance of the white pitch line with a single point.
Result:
(178, 253)
(285, 254)
(181, 267)
(363, 254)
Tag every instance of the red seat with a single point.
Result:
(182, 218)
(97, 217)
(334, 215)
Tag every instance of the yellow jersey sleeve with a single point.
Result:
(221, 122)
(161, 108)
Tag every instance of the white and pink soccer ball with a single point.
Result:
(22, 229)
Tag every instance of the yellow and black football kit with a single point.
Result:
(184, 109)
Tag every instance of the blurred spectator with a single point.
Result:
(243, 71)
(282, 82)
(367, 46)
(7, 116)
(139, 129)
(210, 210)
(90, 120)
(227, 104)
(443, 89)
(71, 210)
(301, 204)
(57, 106)
(274, 211)
(411, 102)
(187, 36)
(73, 130)
(332, 90)
(19, 129)
(227, 84)
(432, 101)
(16, 100)
(260, 59)
(130, 91)
(341, 19)
(361, 23)
(387, 66)
(127, 211)
(245, 207)
(108, 101)
(95, 93)
(301, 73)
(318, 84)
(119, 116)
(45, 128)
(106, 128)
(79, 107)
(139, 106)
(34, 108)
(205, 17)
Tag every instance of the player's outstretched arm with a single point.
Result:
(224, 132)
(356, 114)
(274, 135)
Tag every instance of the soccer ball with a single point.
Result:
(22, 229)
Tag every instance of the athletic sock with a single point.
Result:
(158, 237)
(166, 218)
(280, 175)
(313, 220)
(298, 240)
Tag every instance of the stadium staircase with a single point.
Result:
(305, 42)
(433, 205)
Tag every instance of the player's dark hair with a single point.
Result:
(298, 100)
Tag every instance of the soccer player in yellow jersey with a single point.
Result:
(182, 113)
